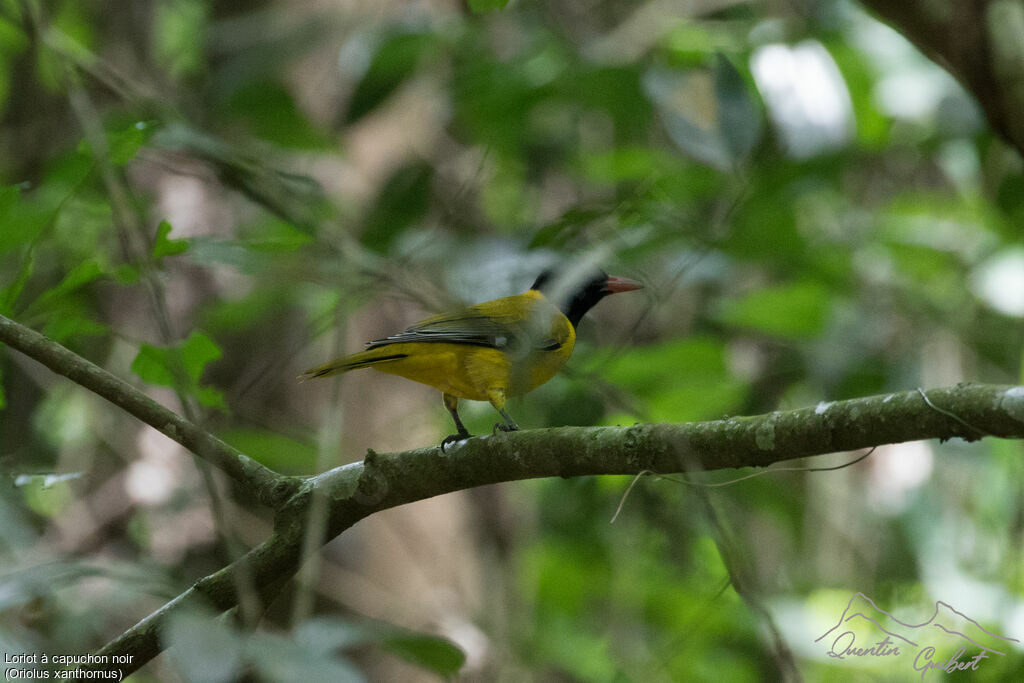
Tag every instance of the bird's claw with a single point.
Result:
(503, 427)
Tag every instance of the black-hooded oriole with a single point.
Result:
(490, 351)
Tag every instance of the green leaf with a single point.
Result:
(66, 325)
(65, 176)
(23, 219)
(873, 126)
(278, 452)
(429, 652)
(73, 33)
(402, 201)
(162, 246)
(494, 101)
(196, 352)
(624, 163)
(434, 653)
(81, 226)
(238, 315)
(9, 195)
(13, 42)
(153, 365)
(65, 314)
(46, 497)
(269, 111)
(699, 387)
(275, 236)
(79, 276)
(66, 417)
(206, 251)
(162, 365)
(739, 119)
(211, 398)
(691, 43)
(9, 294)
(480, 6)
(617, 91)
(126, 274)
(794, 311)
(124, 144)
(395, 61)
(179, 27)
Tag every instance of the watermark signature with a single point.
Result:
(888, 637)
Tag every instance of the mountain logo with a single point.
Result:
(947, 628)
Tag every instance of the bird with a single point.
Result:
(493, 350)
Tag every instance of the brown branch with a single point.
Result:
(266, 485)
(383, 481)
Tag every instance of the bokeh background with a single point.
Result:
(249, 189)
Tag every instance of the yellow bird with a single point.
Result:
(489, 351)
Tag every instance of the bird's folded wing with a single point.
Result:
(469, 327)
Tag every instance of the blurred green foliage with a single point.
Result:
(181, 366)
(224, 653)
(331, 174)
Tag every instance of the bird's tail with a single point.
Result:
(363, 359)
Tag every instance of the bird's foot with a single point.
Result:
(453, 438)
(505, 427)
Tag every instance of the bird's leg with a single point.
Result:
(452, 404)
(509, 425)
(496, 396)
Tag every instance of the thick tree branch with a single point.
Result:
(382, 481)
(268, 486)
(980, 42)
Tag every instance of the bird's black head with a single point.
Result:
(579, 294)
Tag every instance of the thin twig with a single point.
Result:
(625, 495)
(730, 482)
(949, 414)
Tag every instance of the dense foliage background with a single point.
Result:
(209, 197)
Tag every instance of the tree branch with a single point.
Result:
(382, 481)
(979, 43)
(270, 488)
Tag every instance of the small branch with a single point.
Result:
(268, 566)
(382, 481)
(270, 488)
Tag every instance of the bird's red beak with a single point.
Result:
(616, 284)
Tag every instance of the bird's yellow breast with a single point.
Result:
(540, 342)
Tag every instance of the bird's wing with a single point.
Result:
(485, 325)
